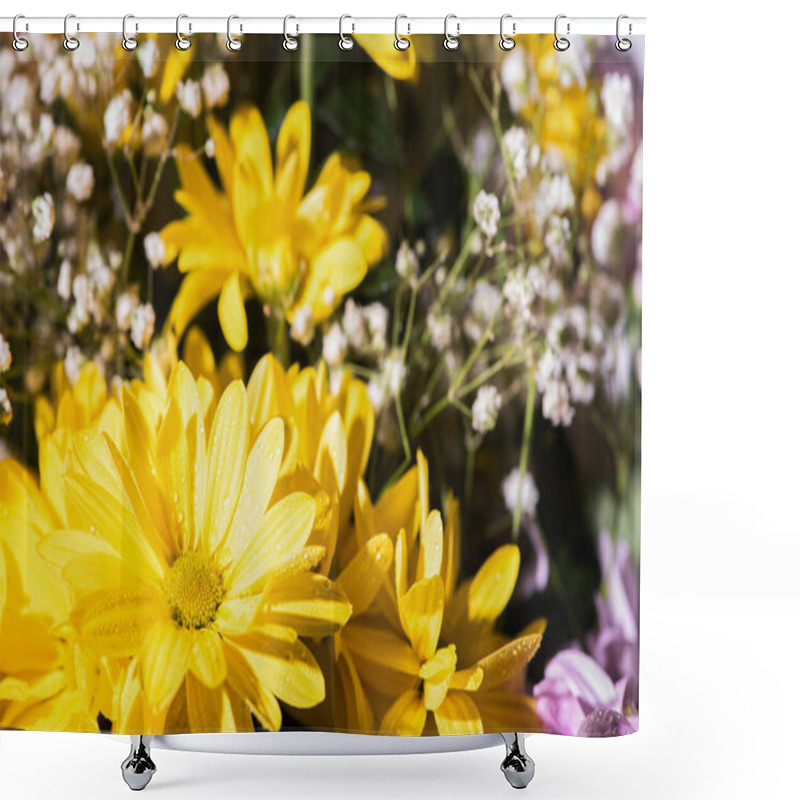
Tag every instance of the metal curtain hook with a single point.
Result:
(71, 43)
(401, 42)
(346, 42)
(290, 43)
(560, 43)
(181, 41)
(18, 43)
(623, 45)
(506, 42)
(233, 44)
(128, 42)
(451, 42)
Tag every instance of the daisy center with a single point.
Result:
(193, 588)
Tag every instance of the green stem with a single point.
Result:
(278, 337)
(530, 404)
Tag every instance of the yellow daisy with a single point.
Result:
(191, 567)
(262, 232)
(428, 659)
(566, 118)
(41, 686)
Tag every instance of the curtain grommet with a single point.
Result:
(18, 42)
(129, 43)
(401, 43)
(561, 43)
(233, 44)
(623, 45)
(506, 42)
(71, 43)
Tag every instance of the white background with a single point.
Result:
(720, 707)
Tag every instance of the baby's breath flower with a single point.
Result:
(617, 96)
(554, 196)
(555, 403)
(80, 181)
(43, 217)
(6, 413)
(406, 262)
(190, 97)
(606, 232)
(123, 311)
(520, 489)
(377, 318)
(484, 304)
(440, 327)
(143, 322)
(147, 52)
(118, 117)
(302, 329)
(328, 295)
(517, 147)
(210, 147)
(519, 295)
(5, 354)
(154, 133)
(155, 250)
(334, 345)
(388, 381)
(73, 361)
(66, 144)
(353, 325)
(486, 210)
(216, 85)
(486, 409)
(580, 377)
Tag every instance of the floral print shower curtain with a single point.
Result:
(320, 386)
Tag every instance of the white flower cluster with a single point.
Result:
(486, 210)
(366, 327)
(389, 380)
(521, 155)
(5, 354)
(520, 489)
(486, 409)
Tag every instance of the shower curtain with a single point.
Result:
(320, 385)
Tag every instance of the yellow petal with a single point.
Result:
(180, 460)
(363, 576)
(177, 62)
(352, 710)
(421, 610)
(223, 152)
(231, 312)
(165, 658)
(197, 290)
(371, 238)
(385, 662)
(268, 393)
(467, 679)
(430, 546)
(503, 711)
(203, 706)
(227, 448)
(260, 476)
(283, 532)
(398, 64)
(115, 622)
(293, 151)
(330, 469)
(207, 660)
(309, 603)
(247, 684)
(492, 587)
(406, 716)
(286, 668)
(458, 715)
(507, 661)
(250, 142)
(340, 267)
(196, 187)
(443, 662)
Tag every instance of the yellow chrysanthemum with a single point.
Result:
(41, 685)
(261, 233)
(428, 657)
(192, 567)
(564, 117)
